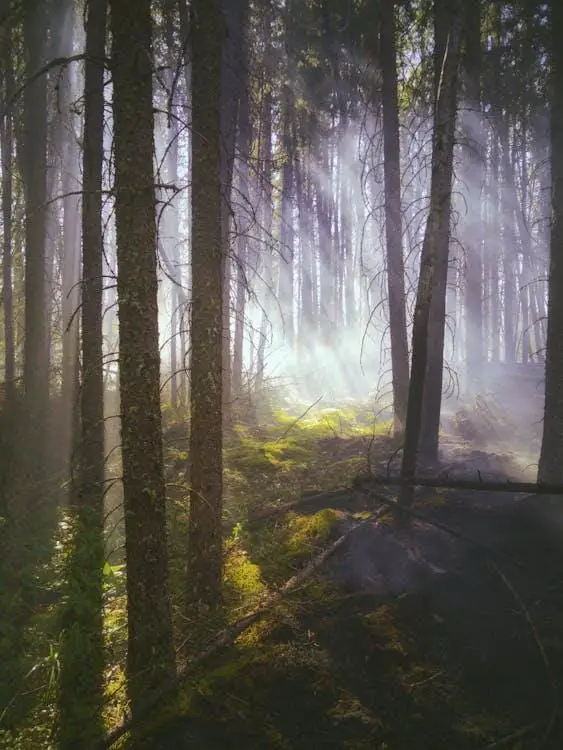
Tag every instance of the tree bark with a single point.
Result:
(235, 14)
(428, 330)
(393, 223)
(244, 222)
(205, 558)
(36, 353)
(287, 234)
(551, 455)
(447, 55)
(474, 166)
(81, 683)
(150, 655)
(7, 144)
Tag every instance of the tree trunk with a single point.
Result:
(36, 354)
(172, 218)
(428, 329)
(235, 13)
(207, 318)
(244, 223)
(494, 292)
(393, 224)
(551, 455)
(82, 657)
(474, 166)
(70, 261)
(287, 235)
(508, 242)
(6, 144)
(150, 656)
(447, 62)
(266, 216)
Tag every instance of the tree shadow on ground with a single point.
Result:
(455, 645)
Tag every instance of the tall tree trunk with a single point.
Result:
(551, 455)
(447, 28)
(235, 14)
(70, 260)
(266, 216)
(185, 37)
(205, 558)
(393, 224)
(36, 354)
(244, 220)
(6, 144)
(494, 292)
(474, 165)
(82, 658)
(306, 317)
(425, 386)
(287, 235)
(150, 655)
(508, 195)
(172, 217)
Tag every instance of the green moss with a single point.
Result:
(305, 532)
(243, 583)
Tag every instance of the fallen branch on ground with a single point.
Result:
(258, 519)
(227, 636)
(413, 514)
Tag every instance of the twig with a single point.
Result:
(426, 679)
(292, 425)
(227, 636)
(514, 736)
(258, 519)
(528, 617)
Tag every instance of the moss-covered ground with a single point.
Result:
(470, 658)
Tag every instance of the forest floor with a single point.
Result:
(450, 638)
(458, 645)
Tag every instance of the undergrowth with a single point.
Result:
(266, 467)
(324, 668)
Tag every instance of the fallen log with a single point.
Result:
(480, 485)
(227, 636)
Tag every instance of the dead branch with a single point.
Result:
(257, 519)
(227, 636)
(299, 418)
(413, 514)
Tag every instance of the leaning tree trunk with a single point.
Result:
(82, 657)
(393, 224)
(425, 386)
(551, 456)
(205, 557)
(150, 655)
